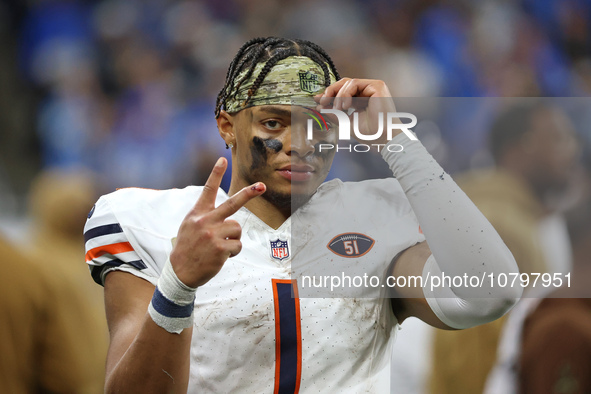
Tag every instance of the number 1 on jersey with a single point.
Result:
(288, 337)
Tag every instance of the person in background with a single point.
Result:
(59, 204)
(535, 150)
(37, 352)
(556, 341)
(545, 346)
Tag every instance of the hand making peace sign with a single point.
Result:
(206, 237)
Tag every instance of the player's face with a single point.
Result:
(272, 147)
(552, 147)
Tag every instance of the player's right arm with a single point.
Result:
(145, 357)
(142, 357)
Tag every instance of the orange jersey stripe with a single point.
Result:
(113, 249)
(299, 331)
(298, 328)
(277, 336)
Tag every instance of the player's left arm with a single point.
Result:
(465, 255)
(410, 301)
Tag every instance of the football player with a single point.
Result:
(198, 283)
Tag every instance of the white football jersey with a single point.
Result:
(251, 334)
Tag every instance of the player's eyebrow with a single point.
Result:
(276, 111)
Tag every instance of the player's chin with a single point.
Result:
(302, 188)
(306, 188)
(296, 193)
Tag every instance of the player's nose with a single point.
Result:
(298, 142)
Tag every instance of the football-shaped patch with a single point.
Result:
(350, 244)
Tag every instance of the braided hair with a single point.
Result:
(269, 50)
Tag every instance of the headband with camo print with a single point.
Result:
(294, 80)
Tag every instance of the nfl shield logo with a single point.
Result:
(279, 250)
(309, 82)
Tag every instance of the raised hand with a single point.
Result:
(340, 96)
(206, 237)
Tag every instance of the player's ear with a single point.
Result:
(226, 124)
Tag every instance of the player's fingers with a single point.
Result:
(206, 201)
(231, 229)
(234, 246)
(346, 88)
(365, 88)
(237, 201)
(326, 99)
(334, 88)
(345, 95)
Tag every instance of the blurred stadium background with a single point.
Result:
(126, 89)
(96, 95)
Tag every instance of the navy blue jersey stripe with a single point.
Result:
(139, 264)
(168, 308)
(288, 339)
(97, 272)
(102, 230)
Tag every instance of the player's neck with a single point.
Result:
(267, 212)
(272, 215)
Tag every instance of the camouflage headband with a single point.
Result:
(293, 80)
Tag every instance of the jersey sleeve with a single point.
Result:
(389, 199)
(108, 247)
